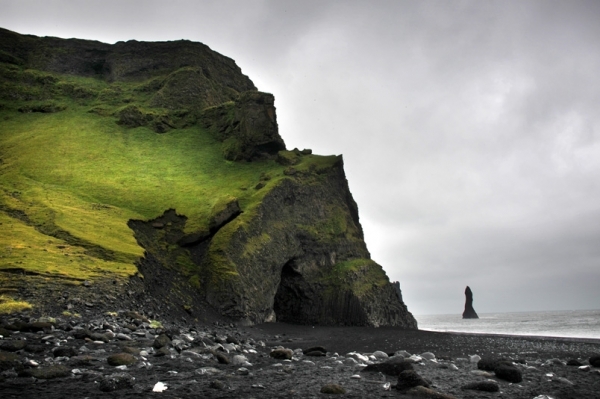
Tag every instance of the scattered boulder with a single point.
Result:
(333, 389)
(408, 379)
(161, 341)
(221, 357)
(46, 373)
(393, 366)
(63, 351)
(116, 382)
(508, 373)
(315, 351)
(281, 353)
(239, 360)
(217, 384)
(12, 346)
(8, 361)
(121, 359)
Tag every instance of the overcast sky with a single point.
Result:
(470, 129)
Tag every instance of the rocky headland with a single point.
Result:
(197, 202)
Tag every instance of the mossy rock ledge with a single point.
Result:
(155, 172)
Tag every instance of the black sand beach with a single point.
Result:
(190, 367)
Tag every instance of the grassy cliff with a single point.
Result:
(162, 159)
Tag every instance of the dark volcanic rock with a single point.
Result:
(595, 360)
(121, 359)
(333, 389)
(46, 373)
(408, 379)
(281, 353)
(486, 386)
(393, 366)
(115, 382)
(8, 361)
(469, 312)
(508, 373)
(247, 126)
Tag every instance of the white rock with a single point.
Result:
(144, 353)
(122, 367)
(338, 362)
(326, 367)
(387, 386)
(474, 358)
(452, 366)
(428, 356)
(372, 358)
(159, 387)
(277, 365)
(243, 371)
(415, 359)
(563, 380)
(309, 362)
(124, 337)
(358, 356)
(207, 371)
(584, 368)
(482, 373)
(351, 360)
(380, 355)
(187, 337)
(402, 353)
(543, 397)
(229, 347)
(238, 360)
(356, 377)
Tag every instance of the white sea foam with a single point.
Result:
(570, 323)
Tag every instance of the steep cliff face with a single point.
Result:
(224, 213)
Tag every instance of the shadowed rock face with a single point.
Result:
(469, 312)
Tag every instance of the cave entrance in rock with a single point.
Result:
(292, 299)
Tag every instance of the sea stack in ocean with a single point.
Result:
(469, 312)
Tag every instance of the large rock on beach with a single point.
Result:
(469, 312)
(393, 366)
(408, 379)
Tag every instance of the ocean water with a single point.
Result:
(570, 323)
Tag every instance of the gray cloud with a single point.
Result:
(469, 129)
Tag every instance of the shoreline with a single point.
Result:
(502, 335)
(450, 344)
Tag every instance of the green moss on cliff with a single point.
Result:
(358, 275)
(78, 176)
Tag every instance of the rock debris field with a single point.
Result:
(127, 355)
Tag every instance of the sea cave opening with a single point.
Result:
(292, 300)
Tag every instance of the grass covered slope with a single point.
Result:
(70, 180)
